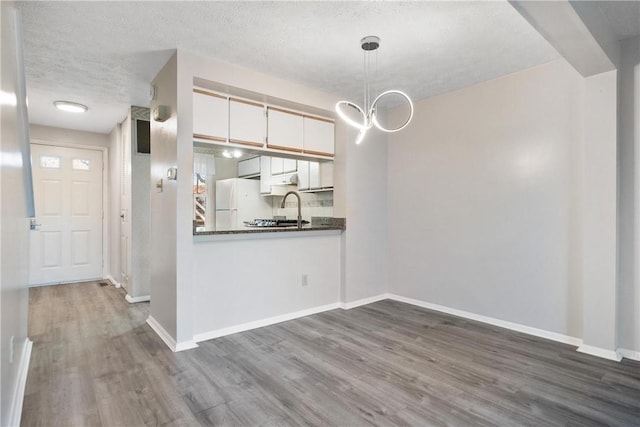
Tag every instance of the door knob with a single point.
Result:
(33, 225)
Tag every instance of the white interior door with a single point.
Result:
(67, 247)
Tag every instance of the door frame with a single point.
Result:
(105, 192)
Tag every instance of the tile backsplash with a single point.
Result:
(313, 204)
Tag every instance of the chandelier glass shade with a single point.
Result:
(366, 116)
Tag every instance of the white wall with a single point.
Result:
(226, 168)
(14, 229)
(68, 136)
(115, 178)
(163, 203)
(245, 280)
(140, 282)
(484, 200)
(366, 239)
(629, 207)
(134, 168)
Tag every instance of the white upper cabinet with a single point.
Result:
(326, 174)
(303, 175)
(314, 175)
(249, 167)
(285, 130)
(318, 136)
(265, 175)
(247, 123)
(227, 119)
(277, 165)
(272, 184)
(289, 165)
(210, 116)
(280, 165)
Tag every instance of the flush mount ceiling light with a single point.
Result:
(368, 113)
(71, 107)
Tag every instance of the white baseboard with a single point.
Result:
(554, 336)
(185, 345)
(66, 282)
(263, 322)
(629, 354)
(492, 321)
(600, 352)
(364, 301)
(15, 413)
(167, 338)
(113, 281)
(133, 300)
(578, 342)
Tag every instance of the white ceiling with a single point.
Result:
(104, 54)
(623, 17)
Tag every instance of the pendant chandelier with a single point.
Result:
(367, 114)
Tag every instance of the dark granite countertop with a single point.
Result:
(317, 224)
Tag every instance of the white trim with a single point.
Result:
(364, 301)
(167, 338)
(629, 354)
(133, 300)
(263, 322)
(554, 336)
(186, 345)
(106, 209)
(15, 412)
(162, 333)
(600, 352)
(113, 281)
(492, 321)
(66, 282)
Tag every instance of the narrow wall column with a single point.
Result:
(600, 217)
(629, 201)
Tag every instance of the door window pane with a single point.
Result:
(81, 164)
(51, 162)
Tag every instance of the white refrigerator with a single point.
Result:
(239, 200)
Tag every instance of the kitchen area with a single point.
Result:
(241, 179)
(228, 144)
(237, 193)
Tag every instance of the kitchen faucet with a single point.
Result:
(295, 193)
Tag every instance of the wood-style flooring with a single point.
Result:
(95, 362)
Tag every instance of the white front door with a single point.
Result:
(67, 246)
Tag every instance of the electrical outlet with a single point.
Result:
(305, 280)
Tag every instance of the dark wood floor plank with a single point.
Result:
(95, 362)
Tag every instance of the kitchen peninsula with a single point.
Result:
(217, 276)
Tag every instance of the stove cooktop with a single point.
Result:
(273, 223)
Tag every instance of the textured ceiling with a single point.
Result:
(104, 54)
